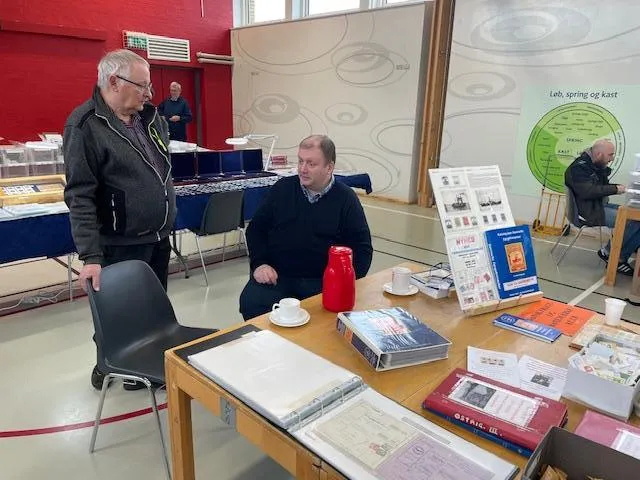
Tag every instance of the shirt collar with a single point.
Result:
(313, 197)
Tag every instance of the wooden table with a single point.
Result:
(408, 386)
(624, 214)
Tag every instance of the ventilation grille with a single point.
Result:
(165, 48)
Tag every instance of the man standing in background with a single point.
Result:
(176, 111)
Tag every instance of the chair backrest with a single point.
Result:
(572, 208)
(223, 212)
(130, 308)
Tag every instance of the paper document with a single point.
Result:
(371, 437)
(499, 366)
(498, 402)
(627, 442)
(542, 378)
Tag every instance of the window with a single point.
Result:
(328, 6)
(265, 10)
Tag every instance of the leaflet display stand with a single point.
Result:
(471, 201)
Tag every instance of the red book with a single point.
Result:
(610, 432)
(507, 413)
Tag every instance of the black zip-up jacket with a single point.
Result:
(114, 194)
(590, 186)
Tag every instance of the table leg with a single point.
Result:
(616, 245)
(180, 427)
(176, 250)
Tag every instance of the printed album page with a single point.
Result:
(471, 201)
(372, 437)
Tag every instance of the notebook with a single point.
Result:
(209, 165)
(183, 166)
(232, 162)
(329, 409)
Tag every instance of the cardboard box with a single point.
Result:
(579, 457)
(599, 393)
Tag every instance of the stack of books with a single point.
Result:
(391, 338)
(512, 417)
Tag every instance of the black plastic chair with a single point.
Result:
(134, 324)
(223, 214)
(576, 220)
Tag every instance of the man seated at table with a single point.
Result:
(588, 179)
(291, 232)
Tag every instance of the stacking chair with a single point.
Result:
(134, 324)
(223, 214)
(576, 220)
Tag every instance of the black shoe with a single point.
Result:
(625, 269)
(604, 256)
(132, 385)
(97, 378)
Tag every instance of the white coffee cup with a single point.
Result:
(400, 279)
(613, 308)
(287, 309)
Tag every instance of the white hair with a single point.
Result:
(175, 84)
(117, 62)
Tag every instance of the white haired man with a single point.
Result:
(119, 191)
(176, 111)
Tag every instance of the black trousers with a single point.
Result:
(156, 255)
(258, 298)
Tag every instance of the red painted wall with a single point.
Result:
(43, 77)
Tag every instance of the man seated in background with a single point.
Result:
(588, 179)
(290, 234)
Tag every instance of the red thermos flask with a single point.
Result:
(339, 281)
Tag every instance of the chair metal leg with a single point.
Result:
(555, 245)
(204, 267)
(70, 275)
(96, 424)
(154, 406)
(224, 244)
(564, 252)
(243, 237)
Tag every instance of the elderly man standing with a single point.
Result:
(588, 179)
(290, 234)
(119, 190)
(175, 110)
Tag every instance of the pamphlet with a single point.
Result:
(500, 366)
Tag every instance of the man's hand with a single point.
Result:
(265, 274)
(175, 118)
(621, 188)
(90, 272)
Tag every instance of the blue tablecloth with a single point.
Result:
(50, 235)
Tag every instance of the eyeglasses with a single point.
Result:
(141, 87)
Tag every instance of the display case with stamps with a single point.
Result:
(39, 189)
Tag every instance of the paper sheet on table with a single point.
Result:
(628, 442)
(371, 437)
(542, 378)
(500, 366)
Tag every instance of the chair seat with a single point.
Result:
(143, 359)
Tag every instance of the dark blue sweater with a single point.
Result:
(294, 236)
(180, 107)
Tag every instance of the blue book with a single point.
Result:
(512, 260)
(525, 452)
(391, 338)
(527, 327)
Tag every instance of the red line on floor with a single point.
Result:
(78, 426)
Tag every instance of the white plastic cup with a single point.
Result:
(400, 279)
(287, 309)
(613, 308)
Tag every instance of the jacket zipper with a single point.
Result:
(113, 210)
(154, 135)
(164, 184)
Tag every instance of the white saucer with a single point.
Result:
(303, 318)
(412, 290)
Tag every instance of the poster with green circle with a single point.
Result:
(563, 133)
